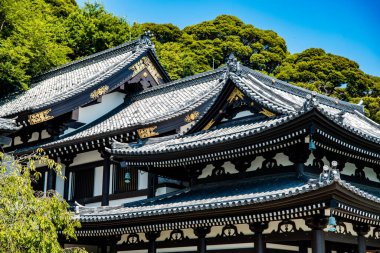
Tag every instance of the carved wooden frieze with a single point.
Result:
(143, 63)
(267, 113)
(236, 94)
(147, 132)
(99, 92)
(39, 117)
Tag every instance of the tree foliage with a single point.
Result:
(30, 221)
(92, 29)
(36, 35)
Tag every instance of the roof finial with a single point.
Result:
(311, 101)
(232, 64)
(145, 39)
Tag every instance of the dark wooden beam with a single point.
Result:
(106, 178)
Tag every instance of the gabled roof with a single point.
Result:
(155, 105)
(63, 84)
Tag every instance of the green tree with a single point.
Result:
(29, 221)
(92, 29)
(31, 41)
(324, 72)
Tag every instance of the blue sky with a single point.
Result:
(349, 28)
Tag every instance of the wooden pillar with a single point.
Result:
(67, 161)
(361, 230)
(106, 178)
(152, 237)
(317, 224)
(201, 233)
(318, 241)
(258, 239)
(152, 184)
(50, 179)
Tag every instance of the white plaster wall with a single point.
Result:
(164, 190)
(371, 175)
(98, 181)
(90, 113)
(142, 180)
(87, 157)
(17, 140)
(256, 164)
(45, 134)
(117, 202)
(60, 182)
(34, 137)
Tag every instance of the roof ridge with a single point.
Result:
(102, 75)
(82, 61)
(290, 88)
(197, 77)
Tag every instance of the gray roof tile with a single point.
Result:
(73, 78)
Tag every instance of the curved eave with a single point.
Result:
(328, 193)
(298, 122)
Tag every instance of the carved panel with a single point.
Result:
(229, 231)
(133, 239)
(147, 132)
(286, 226)
(359, 172)
(236, 94)
(267, 113)
(191, 117)
(376, 233)
(143, 63)
(99, 92)
(219, 169)
(269, 162)
(176, 235)
(341, 228)
(39, 117)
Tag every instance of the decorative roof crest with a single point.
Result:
(145, 39)
(233, 65)
(311, 101)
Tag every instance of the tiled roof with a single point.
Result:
(155, 105)
(73, 78)
(8, 125)
(203, 138)
(215, 196)
(167, 101)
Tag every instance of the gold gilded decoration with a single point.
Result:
(143, 63)
(39, 117)
(99, 92)
(192, 116)
(235, 95)
(267, 113)
(147, 132)
(209, 124)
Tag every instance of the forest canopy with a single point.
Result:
(37, 35)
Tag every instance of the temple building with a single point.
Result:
(230, 160)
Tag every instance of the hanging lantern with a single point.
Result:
(312, 146)
(127, 177)
(331, 224)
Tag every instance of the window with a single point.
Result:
(119, 185)
(83, 183)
